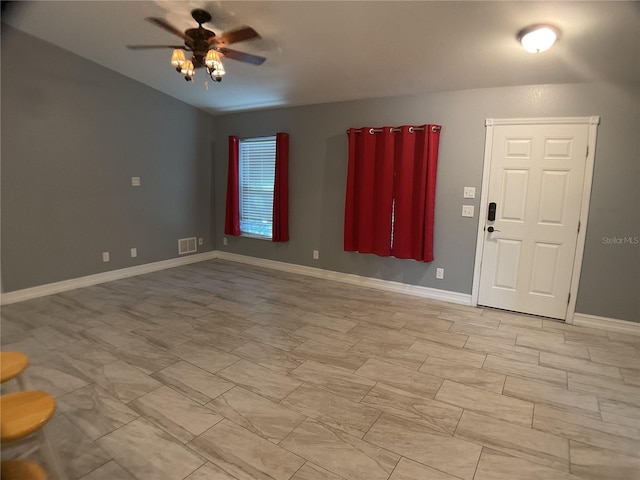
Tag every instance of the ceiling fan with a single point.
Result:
(205, 46)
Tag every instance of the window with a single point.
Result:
(258, 188)
(257, 158)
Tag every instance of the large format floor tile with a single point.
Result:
(124, 381)
(270, 420)
(472, 376)
(596, 463)
(334, 379)
(415, 408)
(95, 411)
(149, 453)
(196, 383)
(244, 454)
(508, 366)
(547, 394)
(340, 453)
(223, 371)
(523, 442)
(175, 413)
(488, 403)
(449, 454)
(260, 380)
(591, 431)
(496, 465)
(333, 410)
(109, 471)
(410, 470)
(400, 377)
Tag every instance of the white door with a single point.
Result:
(536, 181)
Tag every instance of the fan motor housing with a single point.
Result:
(199, 45)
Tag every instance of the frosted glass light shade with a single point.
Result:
(214, 64)
(538, 38)
(187, 69)
(177, 58)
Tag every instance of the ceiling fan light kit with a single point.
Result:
(206, 48)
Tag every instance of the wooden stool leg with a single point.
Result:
(51, 457)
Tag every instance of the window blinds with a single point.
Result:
(257, 177)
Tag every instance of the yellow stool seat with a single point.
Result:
(12, 364)
(21, 470)
(24, 413)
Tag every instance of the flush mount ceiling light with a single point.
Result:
(538, 38)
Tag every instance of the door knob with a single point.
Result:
(491, 230)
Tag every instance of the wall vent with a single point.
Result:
(187, 245)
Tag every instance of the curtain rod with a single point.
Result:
(434, 128)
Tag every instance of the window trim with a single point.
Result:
(257, 139)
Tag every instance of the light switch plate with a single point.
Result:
(469, 192)
(135, 181)
(467, 210)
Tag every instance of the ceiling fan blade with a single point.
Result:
(234, 36)
(162, 23)
(146, 47)
(241, 56)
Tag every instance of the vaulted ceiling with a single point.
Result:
(326, 51)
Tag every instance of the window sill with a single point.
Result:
(256, 237)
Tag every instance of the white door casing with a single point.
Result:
(538, 172)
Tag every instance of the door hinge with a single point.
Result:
(579, 226)
(569, 298)
(587, 150)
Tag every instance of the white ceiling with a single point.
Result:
(326, 51)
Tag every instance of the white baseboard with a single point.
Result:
(386, 285)
(611, 324)
(66, 285)
(582, 319)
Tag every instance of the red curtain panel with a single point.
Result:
(232, 214)
(369, 193)
(390, 200)
(281, 190)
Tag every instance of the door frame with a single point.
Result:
(593, 123)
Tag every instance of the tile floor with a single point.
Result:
(224, 371)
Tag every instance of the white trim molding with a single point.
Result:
(611, 324)
(595, 120)
(376, 283)
(386, 285)
(72, 284)
(581, 319)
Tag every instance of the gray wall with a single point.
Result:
(610, 282)
(73, 135)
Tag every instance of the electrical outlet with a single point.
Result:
(224, 240)
(200, 241)
(134, 252)
(316, 255)
(105, 256)
(467, 210)
(440, 273)
(135, 181)
(469, 192)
